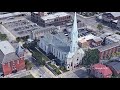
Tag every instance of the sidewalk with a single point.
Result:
(69, 72)
(48, 71)
(19, 74)
(35, 74)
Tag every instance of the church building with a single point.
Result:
(11, 59)
(64, 47)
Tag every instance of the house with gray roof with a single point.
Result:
(114, 66)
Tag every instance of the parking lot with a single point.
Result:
(84, 32)
(92, 23)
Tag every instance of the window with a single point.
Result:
(59, 54)
(8, 64)
(54, 50)
(62, 57)
(17, 61)
(13, 67)
(45, 48)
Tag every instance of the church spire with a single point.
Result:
(74, 29)
(74, 36)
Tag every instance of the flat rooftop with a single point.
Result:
(7, 15)
(88, 37)
(107, 47)
(114, 38)
(6, 47)
(55, 15)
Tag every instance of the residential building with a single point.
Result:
(118, 23)
(65, 48)
(11, 60)
(106, 51)
(112, 19)
(100, 71)
(110, 16)
(58, 18)
(114, 66)
(90, 41)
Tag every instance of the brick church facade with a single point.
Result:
(11, 60)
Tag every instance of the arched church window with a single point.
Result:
(59, 54)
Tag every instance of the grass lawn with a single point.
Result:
(55, 68)
(63, 69)
(39, 56)
(28, 76)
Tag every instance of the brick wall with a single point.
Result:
(109, 52)
(13, 65)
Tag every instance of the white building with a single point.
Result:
(65, 48)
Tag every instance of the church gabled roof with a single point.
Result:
(20, 50)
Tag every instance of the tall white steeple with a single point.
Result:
(74, 36)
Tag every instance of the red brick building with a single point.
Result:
(11, 60)
(58, 18)
(100, 71)
(106, 51)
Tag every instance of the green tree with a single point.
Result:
(62, 68)
(100, 26)
(91, 57)
(3, 37)
(118, 33)
(57, 71)
(18, 39)
(28, 65)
